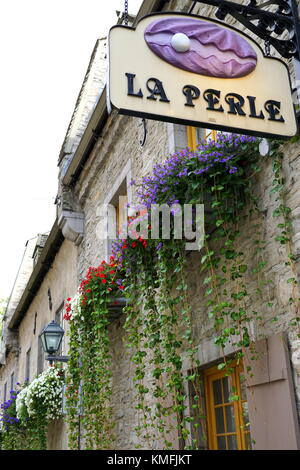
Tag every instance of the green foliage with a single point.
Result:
(26, 415)
(159, 330)
(284, 237)
(88, 377)
(158, 321)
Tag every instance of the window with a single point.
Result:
(227, 420)
(40, 356)
(112, 213)
(27, 370)
(210, 135)
(59, 318)
(120, 201)
(118, 204)
(12, 380)
(196, 134)
(5, 392)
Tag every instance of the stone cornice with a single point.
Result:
(44, 262)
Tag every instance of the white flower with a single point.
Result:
(45, 391)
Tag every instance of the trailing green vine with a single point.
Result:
(284, 236)
(153, 277)
(88, 378)
(157, 339)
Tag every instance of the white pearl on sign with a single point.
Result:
(180, 42)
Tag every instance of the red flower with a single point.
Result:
(103, 281)
(133, 244)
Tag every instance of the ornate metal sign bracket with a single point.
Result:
(278, 27)
(266, 23)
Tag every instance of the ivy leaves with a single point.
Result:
(285, 234)
(158, 314)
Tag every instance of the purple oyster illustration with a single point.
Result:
(201, 47)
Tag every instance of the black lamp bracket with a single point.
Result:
(265, 23)
(57, 358)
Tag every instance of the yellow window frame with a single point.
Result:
(120, 213)
(212, 135)
(192, 137)
(241, 430)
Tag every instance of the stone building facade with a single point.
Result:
(101, 154)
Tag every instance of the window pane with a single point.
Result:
(40, 358)
(230, 423)
(217, 392)
(221, 443)
(200, 134)
(27, 371)
(227, 389)
(12, 381)
(232, 442)
(220, 420)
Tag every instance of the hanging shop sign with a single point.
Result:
(194, 71)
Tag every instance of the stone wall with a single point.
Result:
(119, 148)
(61, 282)
(107, 162)
(8, 339)
(11, 366)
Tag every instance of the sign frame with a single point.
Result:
(188, 122)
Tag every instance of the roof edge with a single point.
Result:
(48, 253)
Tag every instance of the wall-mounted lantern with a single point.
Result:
(51, 338)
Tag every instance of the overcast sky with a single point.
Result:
(45, 50)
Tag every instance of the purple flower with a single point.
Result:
(233, 169)
(169, 182)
